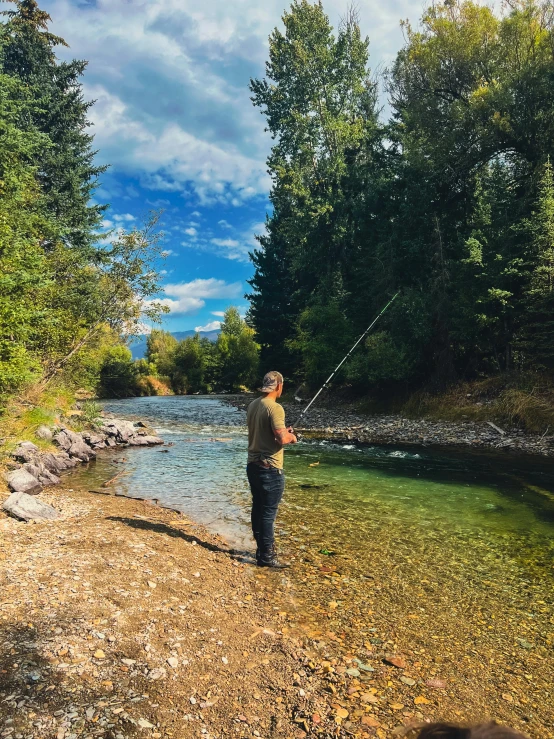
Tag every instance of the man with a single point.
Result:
(267, 435)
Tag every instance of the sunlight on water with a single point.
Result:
(448, 557)
(203, 473)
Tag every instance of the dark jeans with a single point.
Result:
(267, 486)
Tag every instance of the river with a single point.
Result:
(445, 558)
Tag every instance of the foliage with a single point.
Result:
(197, 365)
(451, 202)
(160, 347)
(118, 375)
(66, 300)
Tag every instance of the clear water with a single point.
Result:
(448, 559)
(203, 473)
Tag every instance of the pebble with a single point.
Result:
(342, 425)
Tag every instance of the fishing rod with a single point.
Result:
(337, 368)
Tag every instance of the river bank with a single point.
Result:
(342, 424)
(122, 619)
(415, 594)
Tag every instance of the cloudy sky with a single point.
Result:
(174, 120)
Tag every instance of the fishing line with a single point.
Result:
(337, 368)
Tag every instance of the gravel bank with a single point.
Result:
(343, 424)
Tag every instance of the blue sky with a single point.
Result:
(174, 120)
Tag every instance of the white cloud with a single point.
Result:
(223, 223)
(171, 79)
(191, 231)
(195, 213)
(124, 217)
(169, 158)
(167, 252)
(227, 243)
(219, 313)
(212, 326)
(107, 224)
(236, 249)
(188, 297)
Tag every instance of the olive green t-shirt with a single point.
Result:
(264, 417)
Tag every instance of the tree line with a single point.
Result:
(70, 295)
(193, 365)
(450, 201)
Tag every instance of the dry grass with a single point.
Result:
(524, 401)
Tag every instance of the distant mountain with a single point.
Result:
(138, 347)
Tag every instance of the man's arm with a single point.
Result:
(285, 436)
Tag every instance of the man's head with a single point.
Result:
(272, 384)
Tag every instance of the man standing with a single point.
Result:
(267, 435)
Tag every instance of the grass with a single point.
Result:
(523, 401)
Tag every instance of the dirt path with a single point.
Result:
(122, 619)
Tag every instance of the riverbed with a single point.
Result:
(445, 560)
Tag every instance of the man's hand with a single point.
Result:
(286, 436)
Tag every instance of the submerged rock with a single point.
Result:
(28, 508)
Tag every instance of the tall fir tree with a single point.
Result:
(66, 170)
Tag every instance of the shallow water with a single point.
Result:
(447, 558)
(204, 474)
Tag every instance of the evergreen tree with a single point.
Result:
(66, 170)
(537, 336)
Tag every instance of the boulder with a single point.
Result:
(153, 440)
(121, 430)
(81, 451)
(39, 471)
(93, 439)
(138, 441)
(44, 433)
(62, 440)
(66, 438)
(28, 508)
(21, 481)
(26, 451)
(54, 462)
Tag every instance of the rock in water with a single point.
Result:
(153, 440)
(81, 451)
(28, 508)
(120, 429)
(21, 481)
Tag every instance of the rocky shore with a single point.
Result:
(30, 470)
(122, 619)
(343, 424)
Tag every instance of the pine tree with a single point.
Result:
(538, 333)
(66, 170)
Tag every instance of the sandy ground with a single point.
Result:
(124, 619)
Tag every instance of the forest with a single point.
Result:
(444, 192)
(432, 178)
